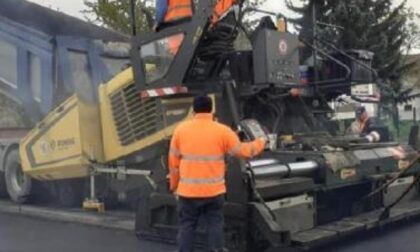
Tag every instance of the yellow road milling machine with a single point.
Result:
(312, 185)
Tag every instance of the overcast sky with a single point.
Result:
(278, 5)
(74, 7)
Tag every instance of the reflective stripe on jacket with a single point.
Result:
(197, 156)
(178, 9)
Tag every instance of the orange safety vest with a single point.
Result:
(362, 124)
(221, 7)
(196, 156)
(178, 9)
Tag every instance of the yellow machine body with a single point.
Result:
(65, 143)
(54, 146)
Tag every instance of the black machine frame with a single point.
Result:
(251, 223)
(193, 31)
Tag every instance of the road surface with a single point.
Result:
(395, 238)
(24, 234)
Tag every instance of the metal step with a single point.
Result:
(321, 235)
(279, 187)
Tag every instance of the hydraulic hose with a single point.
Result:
(232, 103)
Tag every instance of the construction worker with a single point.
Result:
(361, 124)
(197, 172)
(222, 7)
(172, 12)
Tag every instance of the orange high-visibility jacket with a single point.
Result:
(196, 156)
(221, 7)
(178, 9)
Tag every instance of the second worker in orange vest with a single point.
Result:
(182, 9)
(197, 171)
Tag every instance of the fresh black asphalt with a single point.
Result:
(25, 234)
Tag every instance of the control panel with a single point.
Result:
(253, 129)
(276, 58)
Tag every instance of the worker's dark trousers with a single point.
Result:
(209, 211)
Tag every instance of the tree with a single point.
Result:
(412, 30)
(410, 64)
(248, 19)
(249, 22)
(374, 25)
(115, 14)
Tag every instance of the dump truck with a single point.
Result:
(43, 53)
(311, 185)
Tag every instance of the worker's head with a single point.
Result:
(361, 113)
(202, 104)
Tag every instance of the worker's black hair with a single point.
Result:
(360, 110)
(202, 104)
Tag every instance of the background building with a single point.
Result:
(411, 79)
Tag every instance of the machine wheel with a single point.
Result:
(3, 188)
(18, 184)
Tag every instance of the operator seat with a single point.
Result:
(220, 38)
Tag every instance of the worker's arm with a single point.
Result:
(173, 161)
(242, 150)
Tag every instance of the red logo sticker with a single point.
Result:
(283, 47)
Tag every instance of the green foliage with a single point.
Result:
(412, 29)
(115, 14)
(400, 132)
(248, 21)
(374, 25)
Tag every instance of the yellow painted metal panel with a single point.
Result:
(112, 146)
(62, 145)
(53, 148)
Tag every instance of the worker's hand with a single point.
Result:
(264, 141)
(168, 183)
(176, 195)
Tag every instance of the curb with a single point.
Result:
(122, 222)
